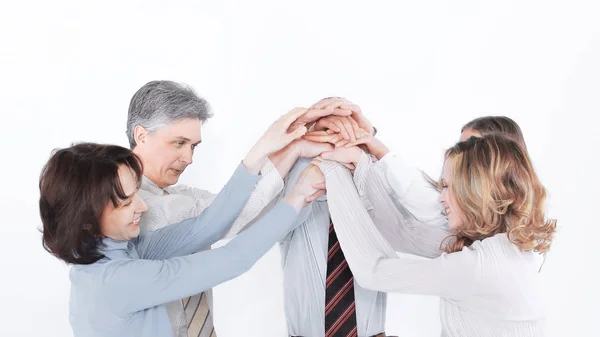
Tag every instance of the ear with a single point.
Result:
(139, 134)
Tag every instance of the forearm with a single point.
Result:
(268, 188)
(196, 233)
(150, 283)
(399, 227)
(374, 263)
(284, 159)
(408, 186)
(377, 148)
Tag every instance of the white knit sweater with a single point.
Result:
(488, 289)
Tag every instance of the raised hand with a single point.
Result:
(308, 149)
(371, 145)
(305, 187)
(344, 125)
(343, 155)
(275, 138)
(344, 104)
(329, 136)
(312, 115)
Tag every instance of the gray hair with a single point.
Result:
(159, 103)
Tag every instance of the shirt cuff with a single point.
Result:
(360, 173)
(267, 167)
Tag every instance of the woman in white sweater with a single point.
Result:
(487, 277)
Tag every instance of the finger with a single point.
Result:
(349, 166)
(299, 132)
(292, 115)
(324, 102)
(331, 132)
(317, 133)
(330, 124)
(319, 139)
(328, 155)
(341, 143)
(319, 186)
(349, 130)
(351, 106)
(361, 140)
(315, 196)
(357, 130)
(341, 112)
(343, 129)
(314, 114)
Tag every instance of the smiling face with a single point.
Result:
(121, 222)
(448, 199)
(166, 152)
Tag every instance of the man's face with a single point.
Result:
(167, 151)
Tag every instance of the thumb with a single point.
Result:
(359, 141)
(299, 132)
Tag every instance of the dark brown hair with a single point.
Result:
(76, 184)
(497, 124)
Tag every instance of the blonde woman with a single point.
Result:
(487, 276)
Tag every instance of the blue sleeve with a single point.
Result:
(134, 285)
(194, 234)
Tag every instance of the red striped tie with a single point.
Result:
(340, 313)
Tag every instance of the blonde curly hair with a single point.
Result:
(498, 191)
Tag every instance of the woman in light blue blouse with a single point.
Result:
(121, 279)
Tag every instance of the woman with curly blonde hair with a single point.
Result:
(487, 277)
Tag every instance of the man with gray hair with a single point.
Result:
(164, 127)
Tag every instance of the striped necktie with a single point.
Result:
(200, 323)
(340, 312)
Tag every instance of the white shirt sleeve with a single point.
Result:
(403, 232)
(408, 187)
(373, 261)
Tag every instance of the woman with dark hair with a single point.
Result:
(121, 278)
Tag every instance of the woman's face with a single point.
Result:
(448, 199)
(123, 221)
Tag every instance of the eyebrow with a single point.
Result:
(187, 139)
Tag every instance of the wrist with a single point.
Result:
(378, 149)
(254, 160)
(356, 155)
(296, 200)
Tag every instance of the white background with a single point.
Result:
(419, 70)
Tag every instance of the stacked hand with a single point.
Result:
(287, 129)
(309, 187)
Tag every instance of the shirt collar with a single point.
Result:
(114, 248)
(149, 186)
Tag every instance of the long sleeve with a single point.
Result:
(185, 202)
(134, 285)
(374, 263)
(193, 234)
(404, 233)
(408, 187)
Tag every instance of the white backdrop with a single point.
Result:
(419, 70)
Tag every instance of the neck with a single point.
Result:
(147, 172)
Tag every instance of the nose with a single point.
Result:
(442, 196)
(186, 157)
(141, 204)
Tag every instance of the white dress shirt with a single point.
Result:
(304, 254)
(304, 263)
(488, 289)
(176, 203)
